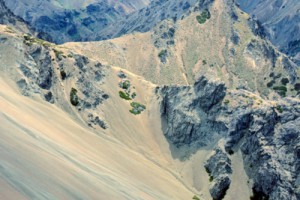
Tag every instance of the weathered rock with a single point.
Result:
(185, 111)
(218, 166)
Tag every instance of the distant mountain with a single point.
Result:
(8, 18)
(72, 21)
(281, 20)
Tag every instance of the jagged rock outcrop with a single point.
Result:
(218, 166)
(266, 132)
(182, 107)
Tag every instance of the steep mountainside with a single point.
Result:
(281, 21)
(72, 20)
(224, 46)
(72, 128)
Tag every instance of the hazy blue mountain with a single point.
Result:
(72, 20)
(281, 20)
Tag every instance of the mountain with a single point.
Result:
(281, 21)
(72, 21)
(197, 104)
(227, 46)
(8, 18)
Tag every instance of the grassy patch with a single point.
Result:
(124, 95)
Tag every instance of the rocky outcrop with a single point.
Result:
(190, 111)
(266, 132)
(218, 166)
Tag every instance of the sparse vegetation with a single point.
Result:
(58, 53)
(74, 97)
(124, 95)
(205, 15)
(29, 40)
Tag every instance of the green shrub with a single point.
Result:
(281, 90)
(279, 109)
(124, 95)
(162, 53)
(205, 15)
(74, 97)
(125, 84)
(196, 198)
(137, 108)
(204, 62)
(285, 81)
(226, 102)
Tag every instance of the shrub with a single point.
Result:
(281, 90)
(204, 62)
(279, 109)
(63, 74)
(205, 15)
(162, 53)
(196, 198)
(137, 108)
(73, 97)
(297, 87)
(285, 81)
(125, 84)
(226, 102)
(124, 95)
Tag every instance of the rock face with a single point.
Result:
(280, 19)
(218, 166)
(266, 132)
(182, 107)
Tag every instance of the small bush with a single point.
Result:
(137, 108)
(124, 95)
(285, 81)
(196, 198)
(204, 62)
(281, 90)
(226, 102)
(297, 86)
(205, 15)
(74, 97)
(279, 109)
(162, 53)
(63, 74)
(125, 84)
